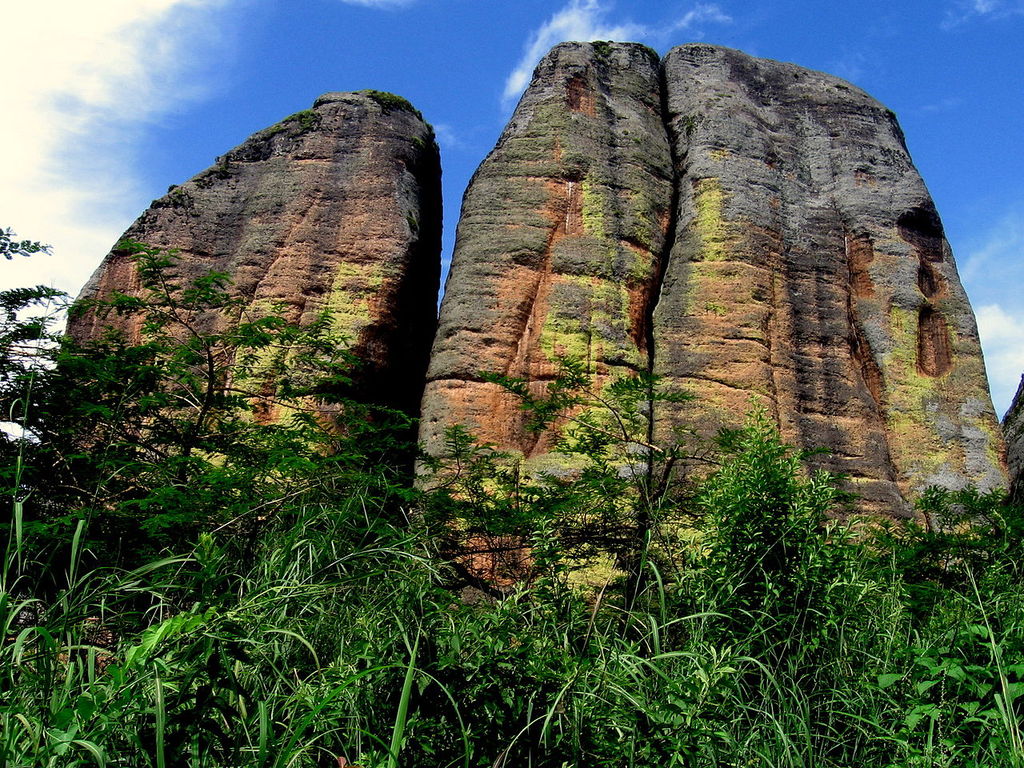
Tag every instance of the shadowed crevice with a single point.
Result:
(934, 355)
(654, 296)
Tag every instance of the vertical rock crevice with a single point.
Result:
(934, 354)
(1013, 428)
(789, 283)
(860, 253)
(663, 257)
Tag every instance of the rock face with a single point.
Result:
(1013, 428)
(810, 268)
(337, 207)
(559, 246)
(751, 231)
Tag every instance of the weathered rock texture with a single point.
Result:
(810, 268)
(559, 246)
(337, 207)
(749, 230)
(1013, 428)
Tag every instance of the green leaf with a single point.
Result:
(886, 680)
(918, 713)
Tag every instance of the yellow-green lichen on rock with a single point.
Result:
(586, 288)
(588, 321)
(914, 401)
(341, 190)
(354, 287)
(714, 232)
(771, 184)
(565, 335)
(593, 205)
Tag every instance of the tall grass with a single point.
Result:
(337, 640)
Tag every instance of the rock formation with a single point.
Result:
(559, 243)
(1013, 428)
(810, 267)
(337, 207)
(751, 231)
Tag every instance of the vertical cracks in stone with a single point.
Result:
(654, 294)
(921, 228)
(578, 95)
(859, 254)
(769, 325)
(928, 280)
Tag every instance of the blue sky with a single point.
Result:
(113, 101)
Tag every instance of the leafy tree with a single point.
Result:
(771, 555)
(182, 429)
(27, 332)
(27, 315)
(960, 535)
(10, 246)
(619, 489)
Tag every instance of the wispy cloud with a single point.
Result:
(943, 105)
(446, 136)
(586, 20)
(997, 250)
(962, 11)
(1002, 332)
(90, 78)
(850, 67)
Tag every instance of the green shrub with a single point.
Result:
(391, 102)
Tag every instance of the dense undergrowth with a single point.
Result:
(186, 582)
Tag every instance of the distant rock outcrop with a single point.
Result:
(749, 230)
(337, 207)
(1013, 428)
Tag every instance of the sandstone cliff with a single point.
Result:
(1013, 428)
(559, 245)
(336, 207)
(749, 230)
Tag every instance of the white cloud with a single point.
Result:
(999, 327)
(965, 10)
(850, 67)
(993, 270)
(584, 21)
(943, 105)
(700, 13)
(997, 251)
(446, 136)
(1002, 337)
(81, 84)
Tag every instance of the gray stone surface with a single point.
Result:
(771, 239)
(810, 274)
(1013, 428)
(335, 207)
(559, 244)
